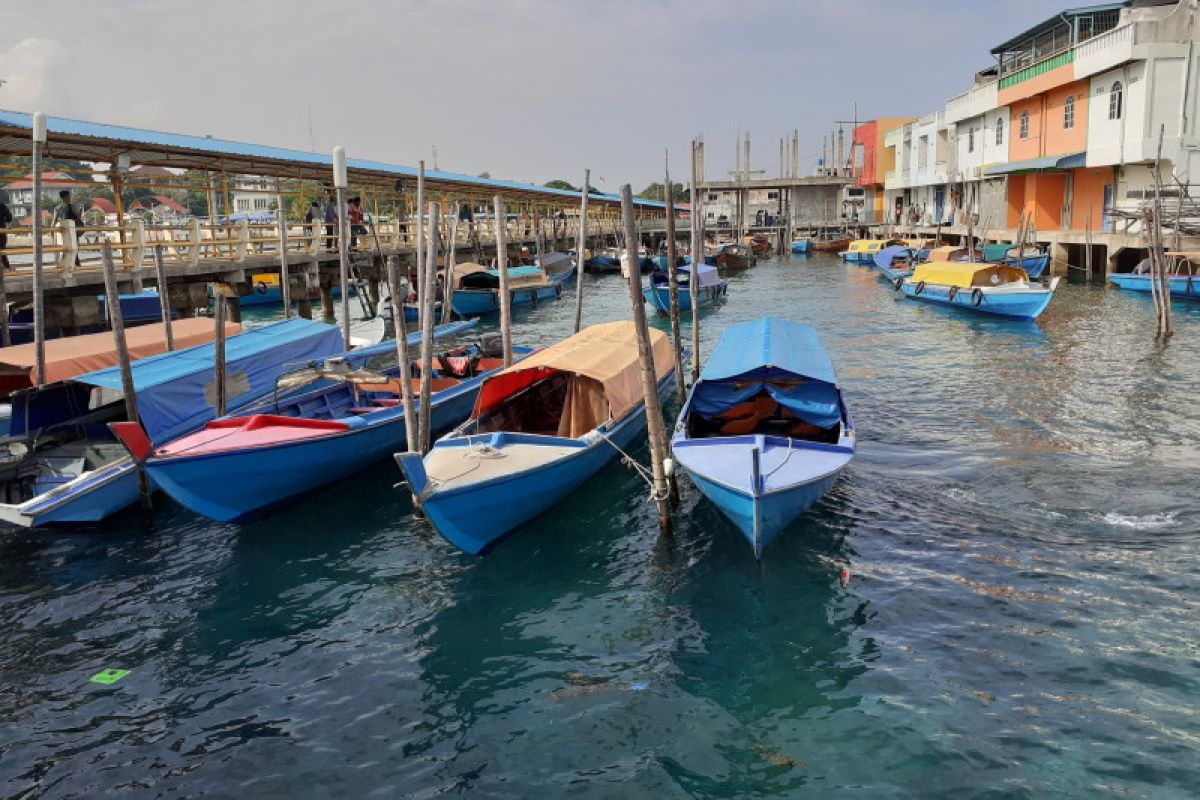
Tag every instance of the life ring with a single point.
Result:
(920, 287)
(953, 293)
(260, 287)
(976, 296)
(896, 284)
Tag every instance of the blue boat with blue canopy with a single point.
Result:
(61, 464)
(765, 431)
(709, 287)
(897, 262)
(275, 451)
(477, 288)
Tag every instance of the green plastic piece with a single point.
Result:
(109, 676)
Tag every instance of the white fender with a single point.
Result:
(1054, 282)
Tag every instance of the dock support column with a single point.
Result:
(327, 314)
(233, 308)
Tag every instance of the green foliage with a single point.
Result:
(558, 183)
(655, 192)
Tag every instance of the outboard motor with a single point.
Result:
(491, 345)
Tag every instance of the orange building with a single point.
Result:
(1048, 118)
(873, 161)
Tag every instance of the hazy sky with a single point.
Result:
(525, 89)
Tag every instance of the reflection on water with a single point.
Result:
(1018, 527)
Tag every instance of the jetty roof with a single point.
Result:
(99, 142)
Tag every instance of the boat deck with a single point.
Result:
(458, 466)
(723, 460)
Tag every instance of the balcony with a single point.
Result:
(972, 103)
(1105, 51)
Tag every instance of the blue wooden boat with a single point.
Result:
(274, 452)
(996, 289)
(64, 466)
(477, 288)
(710, 256)
(139, 308)
(607, 259)
(802, 246)
(1182, 285)
(765, 431)
(710, 286)
(897, 262)
(540, 429)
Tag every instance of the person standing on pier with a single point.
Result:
(66, 210)
(331, 219)
(6, 218)
(313, 215)
(355, 215)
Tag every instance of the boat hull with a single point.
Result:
(660, 297)
(805, 246)
(1034, 266)
(475, 517)
(1013, 305)
(473, 302)
(239, 485)
(859, 257)
(1183, 286)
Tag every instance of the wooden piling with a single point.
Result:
(219, 351)
(340, 185)
(5, 333)
(405, 375)
(429, 278)
(112, 300)
(673, 280)
(655, 426)
(697, 260)
(164, 300)
(285, 289)
(450, 259)
(1087, 238)
(581, 249)
(39, 281)
(502, 268)
(420, 288)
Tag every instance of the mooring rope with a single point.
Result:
(645, 472)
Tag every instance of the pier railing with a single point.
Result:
(67, 248)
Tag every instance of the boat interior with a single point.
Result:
(363, 391)
(759, 414)
(64, 434)
(559, 404)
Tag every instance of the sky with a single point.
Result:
(526, 90)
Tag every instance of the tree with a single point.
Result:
(558, 183)
(487, 176)
(655, 192)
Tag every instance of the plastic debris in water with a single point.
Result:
(637, 687)
(845, 578)
(108, 676)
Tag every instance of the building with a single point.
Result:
(1065, 128)
(872, 160)
(20, 193)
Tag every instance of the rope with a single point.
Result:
(646, 474)
(779, 466)
(477, 450)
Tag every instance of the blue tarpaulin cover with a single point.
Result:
(784, 357)
(176, 391)
(887, 255)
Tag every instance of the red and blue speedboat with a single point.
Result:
(765, 432)
(278, 450)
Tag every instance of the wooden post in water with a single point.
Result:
(164, 302)
(219, 350)
(39, 284)
(502, 268)
(449, 271)
(420, 241)
(5, 334)
(112, 299)
(340, 184)
(285, 289)
(697, 260)
(673, 281)
(1087, 238)
(429, 278)
(405, 377)
(655, 427)
(581, 249)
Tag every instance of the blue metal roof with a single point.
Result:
(769, 343)
(73, 127)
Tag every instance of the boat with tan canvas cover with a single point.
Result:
(539, 430)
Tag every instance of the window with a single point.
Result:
(1024, 124)
(1069, 112)
(243, 204)
(1114, 101)
(712, 198)
(971, 139)
(260, 202)
(999, 130)
(772, 195)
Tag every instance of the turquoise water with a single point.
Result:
(1019, 527)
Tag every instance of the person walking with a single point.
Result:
(313, 215)
(67, 210)
(354, 213)
(331, 220)
(6, 219)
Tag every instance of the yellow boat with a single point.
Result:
(999, 289)
(862, 251)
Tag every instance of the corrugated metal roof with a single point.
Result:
(245, 157)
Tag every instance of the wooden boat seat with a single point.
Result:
(393, 387)
(489, 364)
